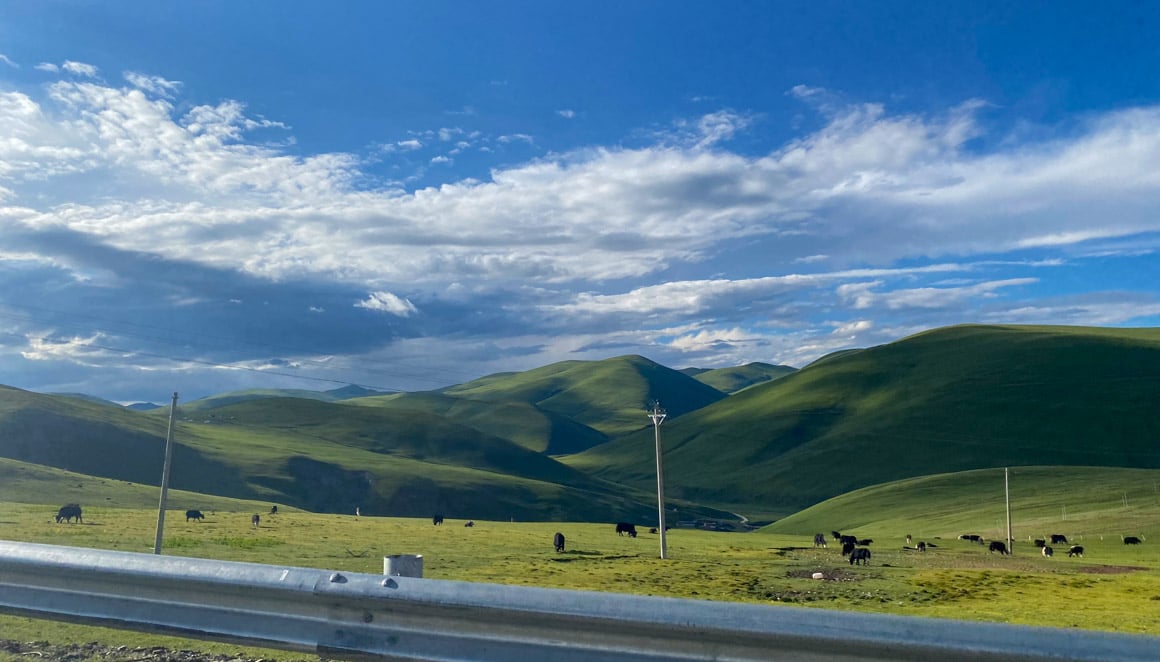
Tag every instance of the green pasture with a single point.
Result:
(1113, 587)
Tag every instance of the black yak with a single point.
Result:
(861, 554)
(624, 527)
(68, 512)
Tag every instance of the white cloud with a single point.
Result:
(852, 328)
(711, 340)
(79, 68)
(155, 84)
(868, 188)
(861, 295)
(720, 126)
(76, 350)
(440, 159)
(696, 297)
(47, 66)
(810, 259)
(516, 137)
(388, 303)
(1082, 312)
(5, 59)
(566, 113)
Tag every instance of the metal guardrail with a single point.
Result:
(356, 616)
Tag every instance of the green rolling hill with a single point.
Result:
(609, 396)
(951, 399)
(234, 397)
(525, 424)
(571, 441)
(314, 455)
(734, 379)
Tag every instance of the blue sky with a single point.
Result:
(201, 197)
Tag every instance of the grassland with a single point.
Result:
(1113, 587)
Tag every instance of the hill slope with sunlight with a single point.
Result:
(946, 400)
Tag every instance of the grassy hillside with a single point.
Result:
(525, 424)
(946, 400)
(609, 396)
(314, 455)
(731, 380)
(21, 482)
(234, 397)
(99, 440)
(1076, 501)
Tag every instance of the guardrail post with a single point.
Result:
(403, 565)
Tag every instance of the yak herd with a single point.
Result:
(858, 549)
(854, 548)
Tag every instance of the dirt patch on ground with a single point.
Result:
(828, 574)
(42, 650)
(1110, 569)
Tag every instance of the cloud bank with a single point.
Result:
(874, 224)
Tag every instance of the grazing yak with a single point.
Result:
(624, 527)
(847, 548)
(837, 536)
(1058, 539)
(1048, 552)
(256, 520)
(972, 537)
(848, 539)
(819, 540)
(273, 510)
(558, 541)
(1128, 540)
(908, 539)
(1040, 542)
(437, 520)
(469, 523)
(69, 511)
(921, 546)
(194, 515)
(1000, 547)
(861, 554)
(865, 542)
(1075, 550)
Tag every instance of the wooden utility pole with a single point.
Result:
(1007, 491)
(165, 476)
